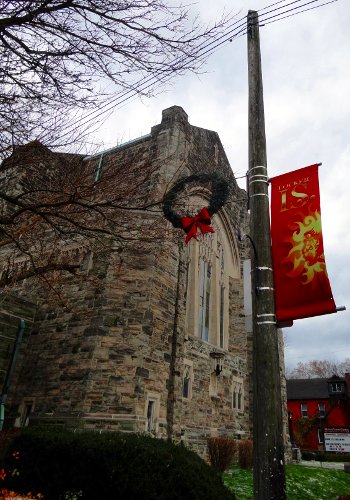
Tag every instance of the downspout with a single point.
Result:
(99, 169)
(10, 371)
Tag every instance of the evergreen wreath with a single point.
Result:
(219, 195)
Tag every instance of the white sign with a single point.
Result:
(337, 440)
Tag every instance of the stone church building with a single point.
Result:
(162, 343)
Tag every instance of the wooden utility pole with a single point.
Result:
(269, 477)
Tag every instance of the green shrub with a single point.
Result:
(221, 452)
(245, 453)
(110, 465)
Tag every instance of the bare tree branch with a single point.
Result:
(319, 369)
(56, 54)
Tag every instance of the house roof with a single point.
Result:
(307, 388)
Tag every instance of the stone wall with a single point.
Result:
(118, 350)
(13, 309)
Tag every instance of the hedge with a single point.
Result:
(109, 466)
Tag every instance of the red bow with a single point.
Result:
(202, 221)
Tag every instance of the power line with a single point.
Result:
(233, 32)
(144, 85)
(299, 12)
(276, 3)
(230, 35)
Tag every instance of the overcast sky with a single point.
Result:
(306, 73)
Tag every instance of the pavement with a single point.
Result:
(326, 465)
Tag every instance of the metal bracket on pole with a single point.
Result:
(242, 237)
(340, 308)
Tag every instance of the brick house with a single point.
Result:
(316, 405)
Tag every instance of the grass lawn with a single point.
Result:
(303, 483)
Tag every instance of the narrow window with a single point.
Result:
(150, 416)
(303, 408)
(222, 310)
(239, 399)
(237, 394)
(151, 409)
(201, 298)
(27, 410)
(320, 436)
(234, 398)
(204, 300)
(187, 277)
(321, 410)
(186, 387)
(222, 260)
(207, 303)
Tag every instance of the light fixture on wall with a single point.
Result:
(217, 358)
(218, 369)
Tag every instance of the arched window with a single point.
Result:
(212, 261)
(237, 394)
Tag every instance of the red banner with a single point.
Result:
(302, 287)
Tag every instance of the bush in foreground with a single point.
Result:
(109, 465)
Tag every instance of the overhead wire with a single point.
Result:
(152, 80)
(144, 84)
(282, 7)
(273, 4)
(228, 36)
(206, 48)
(301, 11)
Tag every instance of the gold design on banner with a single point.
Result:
(306, 254)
